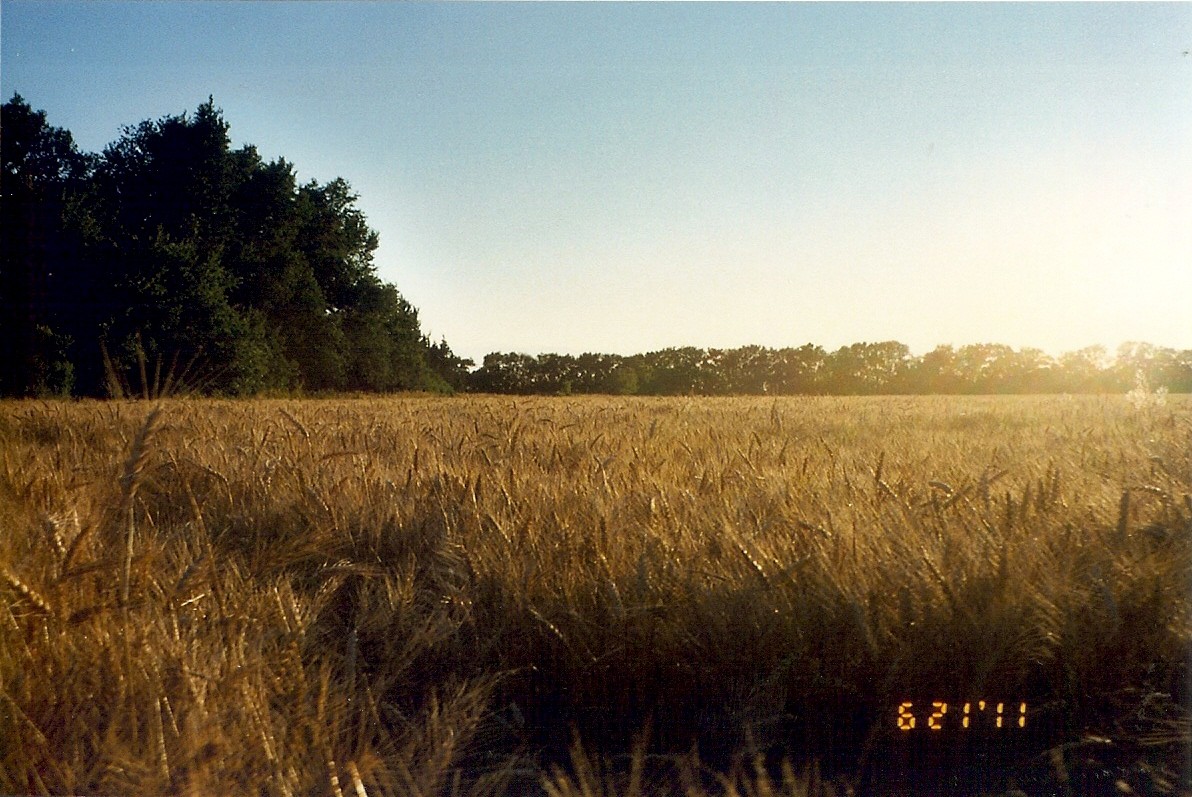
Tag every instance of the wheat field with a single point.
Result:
(594, 596)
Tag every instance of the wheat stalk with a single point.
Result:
(134, 467)
(25, 591)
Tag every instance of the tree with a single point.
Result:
(1179, 374)
(749, 370)
(383, 345)
(867, 368)
(622, 380)
(337, 242)
(673, 371)
(1144, 365)
(44, 174)
(163, 219)
(553, 374)
(798, 371)
(593, 373)
(935, 372)
(172, 247)
(1084, 371)
(503, 373)
(1031, 371)
(447, 366)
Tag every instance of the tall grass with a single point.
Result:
(482, 596)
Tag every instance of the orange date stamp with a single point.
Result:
(940, 715)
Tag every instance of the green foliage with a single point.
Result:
(867, 368)
(446, 365)
(43, 175)
(858, 369)
(384, 344)
(172, 246)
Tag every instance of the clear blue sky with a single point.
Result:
(625, 177)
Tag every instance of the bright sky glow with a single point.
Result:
(625, 177)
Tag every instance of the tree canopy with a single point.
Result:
(858, 369)
(172, 251)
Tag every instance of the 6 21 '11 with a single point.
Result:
(975, 714)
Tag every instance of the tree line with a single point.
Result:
(859, 369)
(172, 259)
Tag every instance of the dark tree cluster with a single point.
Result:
(859, 369)
(171, 257)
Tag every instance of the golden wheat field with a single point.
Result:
(596, 596)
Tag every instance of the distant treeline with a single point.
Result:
(859, 369)
(172, 262)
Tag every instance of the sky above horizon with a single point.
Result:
(627, 177)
